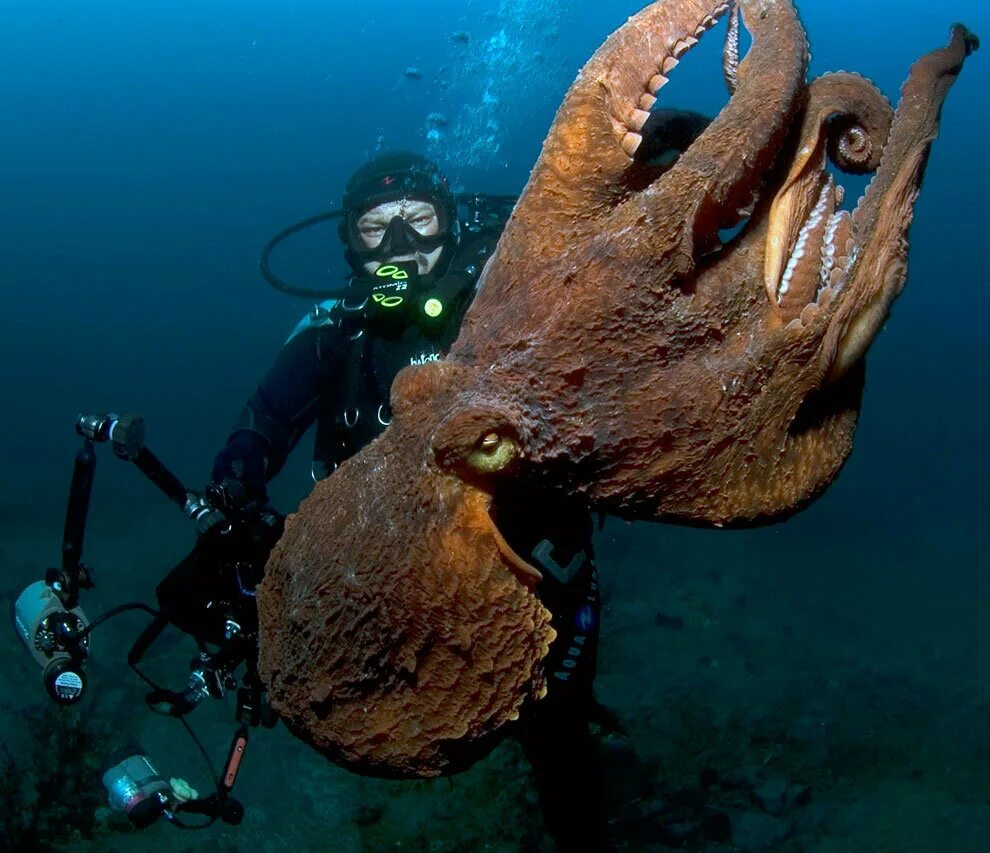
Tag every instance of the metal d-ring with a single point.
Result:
(320, 470)
(382, 420)
(347, 419)
(359, 307)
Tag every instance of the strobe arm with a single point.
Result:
(126, 435)
(66, 582)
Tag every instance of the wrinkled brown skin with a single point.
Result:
(624, 355)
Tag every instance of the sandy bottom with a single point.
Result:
(778, 690)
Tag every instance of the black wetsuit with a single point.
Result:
(336, 371)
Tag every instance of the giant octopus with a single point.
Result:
(618, 351)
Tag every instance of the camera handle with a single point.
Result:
(252, 710)
(220, 804)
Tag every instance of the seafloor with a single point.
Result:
(765, 707)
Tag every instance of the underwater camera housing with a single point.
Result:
(209, 595)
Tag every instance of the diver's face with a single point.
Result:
(421, 217)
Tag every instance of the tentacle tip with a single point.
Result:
(971, 41)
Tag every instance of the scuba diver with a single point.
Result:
(414, 269)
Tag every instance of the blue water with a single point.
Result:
(150, 149)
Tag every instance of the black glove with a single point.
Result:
(241, 467)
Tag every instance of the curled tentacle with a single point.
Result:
(719, 173)
(580, 190)
(848, 118)
(852, 147)
(597, 129)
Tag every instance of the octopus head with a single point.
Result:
(401, 629)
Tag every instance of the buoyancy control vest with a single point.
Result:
(356, 410)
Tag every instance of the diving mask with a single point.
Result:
(400, 237)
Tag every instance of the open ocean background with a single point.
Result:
(148, 152)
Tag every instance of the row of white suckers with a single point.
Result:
(828, 245)
(632, 139)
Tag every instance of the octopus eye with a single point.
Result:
(477, 443)
(493, 452)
